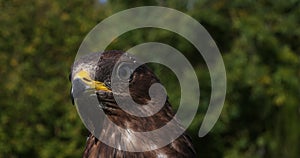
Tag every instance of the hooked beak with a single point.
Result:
(83, 82)
(89, 83)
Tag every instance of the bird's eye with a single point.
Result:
(107, 83)
(124, 71)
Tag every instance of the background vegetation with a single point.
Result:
(259, 42)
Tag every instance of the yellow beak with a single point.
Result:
(85, 77)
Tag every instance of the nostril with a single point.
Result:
(88, 80)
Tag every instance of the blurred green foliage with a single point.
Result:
(259, 42)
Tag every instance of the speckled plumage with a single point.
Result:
(101, 65)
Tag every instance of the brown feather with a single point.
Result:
(140, 83)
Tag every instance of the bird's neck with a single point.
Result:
(142, 124)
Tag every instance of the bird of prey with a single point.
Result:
(94, 71)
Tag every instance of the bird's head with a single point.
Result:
(95, 73)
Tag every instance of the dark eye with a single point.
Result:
(124, 71)
(107, 83)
